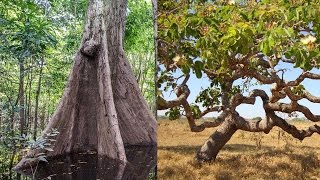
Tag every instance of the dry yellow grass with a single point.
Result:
(277, 156)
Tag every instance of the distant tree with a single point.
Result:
(243, 41)
(257, 118)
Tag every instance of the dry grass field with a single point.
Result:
(246, 156)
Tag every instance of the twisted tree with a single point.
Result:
(102, 109)
(234, 45)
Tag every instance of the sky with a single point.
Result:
(250, 111)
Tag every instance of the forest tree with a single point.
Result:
(102, 109)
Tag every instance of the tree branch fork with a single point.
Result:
(239, 122)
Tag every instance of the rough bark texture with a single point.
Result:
(102, 109)
(229, 121)
(217, 140)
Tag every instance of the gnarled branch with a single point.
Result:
(264, 125)
(182, 93)
(291, 129)
(211, 109)
(293, 106)
(303, 76)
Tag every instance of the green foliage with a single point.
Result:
(24, 34)
(139, 27)
(173, 113)
(27, 34)
(198, 65)
(43, 144)
(216, 32)
(209, 97)
(199, 37)
(298, 90)
(32, 31)
(10, 142)
(257, 118)
(167, 79)
(195, 111)
(139, 46)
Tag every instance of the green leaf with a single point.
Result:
(196, 112)
(185, 68)
(244, 16)
(198, 66)
(173, 113)
(210, 63)
(264, 47)
(271, 42)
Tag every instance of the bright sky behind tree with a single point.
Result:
(251, 111)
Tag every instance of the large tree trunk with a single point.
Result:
(224, 132)
(101, 109)
(217, 140)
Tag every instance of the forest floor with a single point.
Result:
(247, 155)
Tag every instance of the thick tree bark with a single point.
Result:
(234, 121)
(137, 125)
(102, 109)
(217, 140)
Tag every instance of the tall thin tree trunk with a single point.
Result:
(155, 30)
(26, 104)
(142, 68)
(12, 119)
(48, 108)
(0, 119)
(43, 116)
(29, 104)
(21, 99)
(139, 70)
(12, 113)
(21, 112)
(35, 126)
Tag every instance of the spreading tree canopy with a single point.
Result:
(238, 41)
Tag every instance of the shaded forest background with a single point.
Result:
(38, 39)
